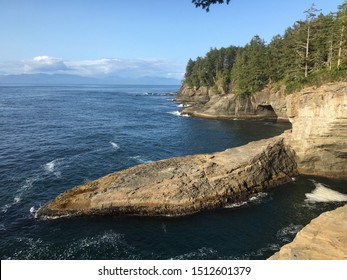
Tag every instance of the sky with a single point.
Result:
(133, 38)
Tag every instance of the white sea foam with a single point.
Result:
(22, 190)
(201, 253)
(5, 208)
(114, 146)
(33, 211)
(255, 199)
(140, 159)
(236, 204)
(50, 166)
(53, 167)
(287, 233)
(259, 196)
(183, 105)
(323, 194)
(178, 113)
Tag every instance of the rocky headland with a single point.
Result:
(182, 185)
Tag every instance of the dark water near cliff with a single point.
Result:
(53, 138)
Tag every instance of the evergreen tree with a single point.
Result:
(315, 46)
(341, 23)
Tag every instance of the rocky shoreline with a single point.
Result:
(269, 104)
(317, 145)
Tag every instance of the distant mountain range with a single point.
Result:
(75, 79)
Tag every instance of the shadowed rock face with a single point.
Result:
(181, 185)
(324, 238)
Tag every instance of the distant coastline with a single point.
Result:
(66, 79)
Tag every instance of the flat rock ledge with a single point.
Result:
(324, 238)
(181, 185)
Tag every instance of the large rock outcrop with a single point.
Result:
(319, 133)
(318, 115)
(269, 104)
(324, 238)
(181, 185)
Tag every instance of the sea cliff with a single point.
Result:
(318, 116)
(319, 130)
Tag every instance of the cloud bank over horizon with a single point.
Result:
(133, 68)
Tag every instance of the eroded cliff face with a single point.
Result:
(268, 104)
(195, 95)
(319, 133)
(324, 238)
(182, 185)
(318, 115)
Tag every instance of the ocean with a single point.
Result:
(53, 138)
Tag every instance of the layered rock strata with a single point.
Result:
(181, 185)
(318, 116)
(319, 130)
(269, 104)
(324, 238)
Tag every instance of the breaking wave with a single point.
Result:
(287, 233)
(178, 113)
(323, 194)
(183, 105)
(52, 167)
(114, 146)
(140, 159)
(254, 200)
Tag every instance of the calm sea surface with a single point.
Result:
(53, 138)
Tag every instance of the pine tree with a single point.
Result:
(341, 22)
(310, 15)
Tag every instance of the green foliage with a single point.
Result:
(205, 4)
(310, 52)
(317, 78)
(212, 69)
(250, 73)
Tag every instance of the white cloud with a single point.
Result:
(45, 64)
(97, 67)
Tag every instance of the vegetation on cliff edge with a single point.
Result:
(311, 52)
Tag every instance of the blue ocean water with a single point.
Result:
(53, 138)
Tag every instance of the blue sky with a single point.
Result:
(132, 37)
